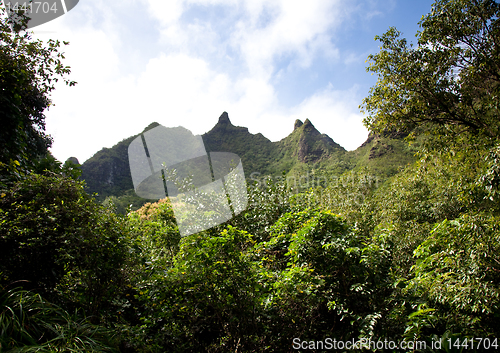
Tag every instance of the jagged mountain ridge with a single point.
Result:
(256, 151)
(107, 173)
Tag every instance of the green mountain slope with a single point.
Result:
(383, 155)
(306, 148)
(107, 173)
(306, 144)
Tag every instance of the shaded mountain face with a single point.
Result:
(108, 173)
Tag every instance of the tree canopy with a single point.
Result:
(413, 259)
(450, 79)
(29, 70)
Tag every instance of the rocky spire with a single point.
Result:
(224, 119)
(307, 123)
(298, 123)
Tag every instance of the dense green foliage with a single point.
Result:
(57, 238)
(337, 253)
(449, 80)
(28, 323)
(29, 69)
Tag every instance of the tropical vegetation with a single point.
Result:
(411, 257)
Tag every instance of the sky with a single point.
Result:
(184, 62)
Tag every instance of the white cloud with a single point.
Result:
(196, 72)
(88, 114)
(167, 12)
(292, 27)
(181, 90)
(261, 31)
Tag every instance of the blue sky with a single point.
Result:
(184, 62)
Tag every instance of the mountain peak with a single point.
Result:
(307, 123)
(298, 123)
(150, 126)
(309, 128)
(224, 119)
(224, 126)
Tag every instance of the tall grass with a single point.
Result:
(28, 323)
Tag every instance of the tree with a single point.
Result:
(457, 274)
(207, 300)
(451, 79)
(318, 280)
(56, 239)
(28, 70)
